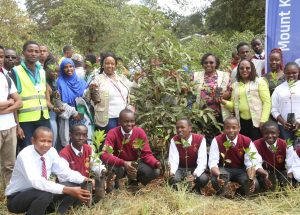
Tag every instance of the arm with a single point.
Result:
(257, 162)
(110, 158)
(202, 159)
(264, 94)
(48, 93)
(214, 157)
(173, 157)
(289, 159)
(275, 107)
(17, 104)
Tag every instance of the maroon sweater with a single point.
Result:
(77, 163)
(236, 153)
(192, 151)
(128, 153)
(268, 156)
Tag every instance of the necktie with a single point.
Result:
(260, 57)
(80, 154)
(126, 136)
(44, 170)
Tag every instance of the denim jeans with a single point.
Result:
(53, 123)
(28, 129)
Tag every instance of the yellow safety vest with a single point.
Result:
(33, 97)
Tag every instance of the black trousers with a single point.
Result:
(145, 173)
(37, 202)
(180, 174)
(232, 174)
(249, 130)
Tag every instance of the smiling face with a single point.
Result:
(291, 73)
(109, 66)
(127, 121)
(31, 53)
(209, 64)
(270, 134)
(231, 128)
(245, 70)
(69, 69)
(42, 142)
(78, 136)
(183, 129)
(275, 61)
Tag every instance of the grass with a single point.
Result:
(166, 201)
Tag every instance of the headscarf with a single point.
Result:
(279, 51)
(70, 87)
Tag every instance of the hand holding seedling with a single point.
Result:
(131, 171)
(220, 181)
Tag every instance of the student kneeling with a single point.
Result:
(29, 189)
(231, 167)
(122, 139)
(276, 158)
(188, 153)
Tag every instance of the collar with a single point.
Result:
(190, 139)
(269, 146)
(262, 55)
(76, 151)
(234, 141)
(123, 132)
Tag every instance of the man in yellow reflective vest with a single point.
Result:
(30, 79)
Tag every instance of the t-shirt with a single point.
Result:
(7, 121)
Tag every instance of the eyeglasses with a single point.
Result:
(208, 62)
(12, 57)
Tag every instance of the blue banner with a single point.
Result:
(283, 28)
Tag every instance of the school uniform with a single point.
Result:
(235, 170)
(195, 163)
(147, 167)
(277, 160)
(30, 189)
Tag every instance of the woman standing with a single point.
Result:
(250, 100)
(212, 84)
(276, 76)
(70, 86)
(286, 101)
(109, 93)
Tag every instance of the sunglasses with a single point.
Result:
(208, 62)
(12, 57)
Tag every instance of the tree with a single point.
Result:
(15, 26)
(38, 10)
(237, 15)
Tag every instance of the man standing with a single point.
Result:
(43, 54)
(30, 79)
(257, 47)
(9, 102)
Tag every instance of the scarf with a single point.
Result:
(70, 87)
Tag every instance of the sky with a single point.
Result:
(189, 7)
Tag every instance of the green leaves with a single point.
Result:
(289, 142)
(250, 154)
(97, 138)
(138, 144)
(185, 144)
(227, 144)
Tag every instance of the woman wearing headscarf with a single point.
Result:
(70, 87)
(276, 75)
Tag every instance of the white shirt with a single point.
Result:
(117, 99)
(96, 167)
(27, 172)
(123, 132)
(214, 155)
(7, 121)
(288, 158)
(296, 166)
(281, 103)
(201, 160)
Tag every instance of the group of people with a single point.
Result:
(53, 106)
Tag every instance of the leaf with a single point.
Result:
(227, 160)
